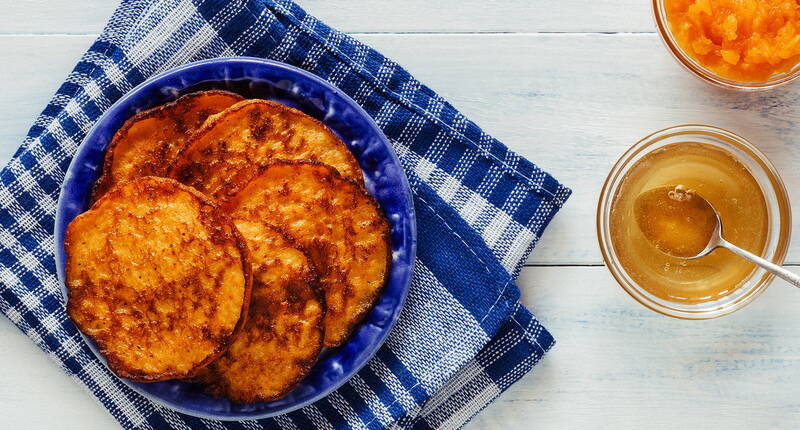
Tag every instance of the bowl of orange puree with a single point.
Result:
(739, 44)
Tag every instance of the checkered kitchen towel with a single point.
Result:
(462, 338)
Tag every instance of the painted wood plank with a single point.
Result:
(37, 394)
(31, 69)
(89, 16)
(615, 365)
(570, 103)
(574, 103)
(43, 16)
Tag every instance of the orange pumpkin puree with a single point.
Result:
(742, 40)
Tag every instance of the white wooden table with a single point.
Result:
(569, 84)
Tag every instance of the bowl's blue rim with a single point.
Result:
(59, 233)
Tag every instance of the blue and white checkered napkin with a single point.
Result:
(462, 338)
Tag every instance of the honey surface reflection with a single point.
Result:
(727, 185)
(677, 220)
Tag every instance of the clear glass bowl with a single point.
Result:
(707, 75)
(775, 195)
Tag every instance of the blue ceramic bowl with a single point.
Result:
(385, 179)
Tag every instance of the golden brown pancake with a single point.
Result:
(159, 277)
(283, 335)
(337, 222)
(229, 149)
(149, 142)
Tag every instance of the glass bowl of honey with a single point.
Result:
(735, 44)
(736, 179)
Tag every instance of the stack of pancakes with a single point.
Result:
(229, 241)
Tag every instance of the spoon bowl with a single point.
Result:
(680, 211)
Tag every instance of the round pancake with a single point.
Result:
(159, 277)
(337, 222)
(233, 144)
(282, 337)
(149, 142)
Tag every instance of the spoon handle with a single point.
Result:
(767, 265)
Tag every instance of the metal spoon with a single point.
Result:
(697, 214)
(717, 241)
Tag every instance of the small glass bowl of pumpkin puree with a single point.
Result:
(739, 44)
(736, 179)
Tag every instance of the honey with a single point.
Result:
(742, 40)
(676, 220)
(719, 178)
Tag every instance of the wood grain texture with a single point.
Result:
(572, 103)
(382, 16)
(37, 394)
(542, 79)
(49, 17)
(617, 365)
(31, 69)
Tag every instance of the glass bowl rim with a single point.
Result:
(706, 75)
(783, 214)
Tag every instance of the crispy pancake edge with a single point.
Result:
(315, 285)
(313, 281)
(244, 252)
(386, 235)
(103, 183)
(214, 119)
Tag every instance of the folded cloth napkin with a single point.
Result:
(463, 336)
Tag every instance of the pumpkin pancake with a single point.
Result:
(158, 277)
(149, 142)
(336, 221)
(232, 145)
(282, 337)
